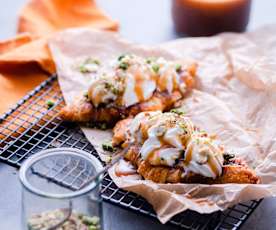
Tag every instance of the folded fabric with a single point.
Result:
(25, 60)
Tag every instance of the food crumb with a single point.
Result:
(50, 103)
(108, 147)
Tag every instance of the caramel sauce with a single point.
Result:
(154, 77)
(151, 155)
(138, 89)
(213, 166)
(209, 17)
(189, 81)
(192, 69)
(144, 131)
(184, 140)
(119, 173)
(163, 142)
(188, 155)
(162, 82)
(175, 83)
(119, 100)
(125, 145)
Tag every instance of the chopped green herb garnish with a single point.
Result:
(97, 62)
(182, 153)
(48, 219)
(108, 147)
(107, 85)
(103, 126)
(83, 69)
(112, 88)
(228, 156)
(150, 60)
(90, 125)
(178, 111)
(93, 227)
(203, 133)
(87, 220)
(155, 68)
(121, 57)
(178, 68)
(80, 215)
(124, 65)
(108, 159)
(115, 90)
(92, 61)
(182, 125)
(95, 220)
(85, 94)
(50, 103)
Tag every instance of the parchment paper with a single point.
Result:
(235, 98)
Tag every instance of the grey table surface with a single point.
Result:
(142, 21)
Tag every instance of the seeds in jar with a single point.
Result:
(76, 221)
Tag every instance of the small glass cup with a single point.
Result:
(55, 195)
(210, 17)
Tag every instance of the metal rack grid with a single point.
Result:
(32, 126)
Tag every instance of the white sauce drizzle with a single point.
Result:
(168, 135)
(140, 80)
(125, 168)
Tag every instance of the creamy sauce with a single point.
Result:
(203, 156)
(104, 90)
(162, 136)
(165, 137)
(124, 168)
(133, 79)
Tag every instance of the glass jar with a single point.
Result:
(209, 17)
(55, 195)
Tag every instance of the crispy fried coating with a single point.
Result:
(81, 110)
(235, 172)
(119, 131)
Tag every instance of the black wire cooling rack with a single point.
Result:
(32, 125)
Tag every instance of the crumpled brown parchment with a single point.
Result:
(235, 98)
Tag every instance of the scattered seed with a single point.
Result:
(103, 126)
(228, 156)
(121, 57)
(178, 68)
(92, 61)
(108, 147)
(123, 65)
(85, 94)
(155, 68)
(50, 103)
(178, 111)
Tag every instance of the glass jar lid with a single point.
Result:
(60, 173)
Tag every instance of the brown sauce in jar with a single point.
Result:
(209, 17)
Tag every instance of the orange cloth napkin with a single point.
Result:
(25, 60)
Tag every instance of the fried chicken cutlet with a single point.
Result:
(167, 148)
(131, 84)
